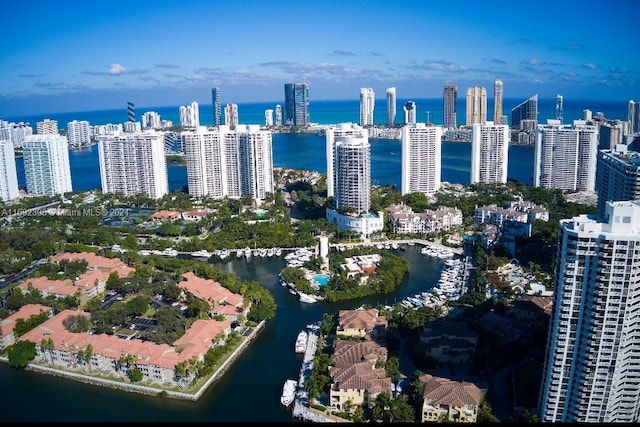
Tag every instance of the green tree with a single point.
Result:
(137, 306)
(21, 353)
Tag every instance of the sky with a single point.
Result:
(70, 55)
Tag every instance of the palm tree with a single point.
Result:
(46, 345)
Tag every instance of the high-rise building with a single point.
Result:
(633, 116)
(133, 163)
(559, 107)
(8, 174)
(190, 115)
(610, 134)
(476, 105)
(391, 106)
(296, 104)
(331, 135)
(46, 164)
(151, 120)
(131, 112)
(225, 162)
(47, 127)
(524, 116)
(489, 153)
(450, 106)
(352, 166)
(14, 132)
(410, 113)
(231, 115)
(421, 158)
(617, 176)
(592, 365)
(565, 156)
(217, 107)
(278, 115)
(78, 133)
(367, 106)
(497, 102)
(268, 117)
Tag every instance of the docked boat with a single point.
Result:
(201, 254)
(170, 252)
(288, 392)
(309, 299)
(301, 342)
(278, 252)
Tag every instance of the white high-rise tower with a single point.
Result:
(8, 174)
(592, 368)
(489, 153)
(46, 164)
(367, 105)
(352, 165)
(331, 134)
(133, 163)
(421, 158)
(78, 133)
(391, 106)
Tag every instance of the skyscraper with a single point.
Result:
(497, 101)
(133, 163)
(559, 107)
(190, 115)
(367, 106)
(391, 106)
(421, 158)
(46, 164)
(131, 112)
(231, 117)
(476, 105)
(331, 135)
(225, 162)
(78, 133)
(633, 116)
(489, 153)
(352, 165)
(410, 113)
(565, 156)
(592, 370)
(296, 104)
(617, 176)
(449, 106)
(278, 115)
(268, 117)
(151, 120)
(217, 109)
(8, 174)
(524, 116)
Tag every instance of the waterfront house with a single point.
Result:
(361, 323)
(445, 400)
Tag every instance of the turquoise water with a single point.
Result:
(321, 279)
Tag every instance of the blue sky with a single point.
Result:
(67, 55)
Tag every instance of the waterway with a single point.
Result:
(248, 392)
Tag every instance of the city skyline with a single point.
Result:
(159, 54)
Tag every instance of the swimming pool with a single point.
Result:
(321, 279)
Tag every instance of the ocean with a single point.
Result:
(306, 150)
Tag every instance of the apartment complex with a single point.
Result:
(421, 158)
(47, 127)
(224, 162)
(296, 104)
(410, 113)
(565, 156)
(352, 168)
(217, 111)
(231, 116)
(78, 133)
(592, 368)
(190, 115)
(497, 101)
(403, 220)
(524, 116)
(489, 153)
(46, 164)
(133, 163)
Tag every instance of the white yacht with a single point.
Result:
(201, 254)
(288, 392)
(301, 342)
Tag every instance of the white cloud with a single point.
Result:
(117, 69)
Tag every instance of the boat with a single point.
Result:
(201, 254)
(270, 252)
(288, 392)
(309, 299)
(278, 252)
(301, 342)
(169, 252)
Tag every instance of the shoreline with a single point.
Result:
(149, 390)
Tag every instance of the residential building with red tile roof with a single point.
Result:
(361, 323)
(166, 215)
(195, 215)
(221, 299)
(157, 362)
(56, 288)
(445, 399)
(7, 336)
(96, 262)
